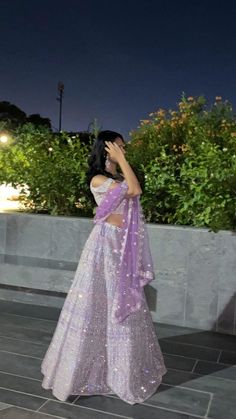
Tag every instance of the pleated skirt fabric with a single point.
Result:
(88, 354)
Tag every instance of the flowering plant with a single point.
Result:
(186, 163)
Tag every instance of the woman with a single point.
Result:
(105, 341)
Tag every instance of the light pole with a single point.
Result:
(60, 88)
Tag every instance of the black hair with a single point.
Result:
(97, 158)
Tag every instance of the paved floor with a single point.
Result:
(200, 383)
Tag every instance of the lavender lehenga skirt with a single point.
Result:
(89, 354)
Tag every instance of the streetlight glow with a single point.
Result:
(3, 138)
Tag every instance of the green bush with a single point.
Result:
(186, 163)
(49, 169)
(185, 160)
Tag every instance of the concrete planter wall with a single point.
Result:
(195, 269)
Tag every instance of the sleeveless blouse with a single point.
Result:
(98, 193)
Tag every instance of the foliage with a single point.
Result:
(186, 163)
(185, 160)
(49, 169)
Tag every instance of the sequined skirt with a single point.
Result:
(89, 354)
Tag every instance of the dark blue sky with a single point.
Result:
(119, 60)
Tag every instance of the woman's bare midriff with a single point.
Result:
(115, 219)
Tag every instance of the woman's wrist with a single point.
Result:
(121, 159)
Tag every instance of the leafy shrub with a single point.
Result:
(50, 170)
(185, 160)
(186, 163)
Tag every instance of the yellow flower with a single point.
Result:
(233, 134)
(161, 112)
(190, 98)
(144, 121)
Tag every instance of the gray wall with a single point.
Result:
(195, 269)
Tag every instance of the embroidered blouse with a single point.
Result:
(98, 193)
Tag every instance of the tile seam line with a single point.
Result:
(209, 405)
(42, 405)
(194, 366)
(181, 343)
(61, 402)
(16, 353)
(34, 411)
(201, 360)
(75, 400)
(23, 340)
(20, 376)
(165, 384)
(165, 353)
(22, 392)
(29, 328)
(204, 375)
(164, 339)
(196, 346)
(55, 321)
(169, 369)
(215, 362)
(26, 317)
(187, 388)
(182, 356)
(34, 291)
(218, 359)
(168, 410)
(86, 408)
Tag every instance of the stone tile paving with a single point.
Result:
(200, 382)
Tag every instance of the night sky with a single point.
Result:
(119, 60)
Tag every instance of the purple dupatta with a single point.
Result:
(136, 265)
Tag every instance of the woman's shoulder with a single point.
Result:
(100, 180)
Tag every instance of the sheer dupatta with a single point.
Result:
(135, 263)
